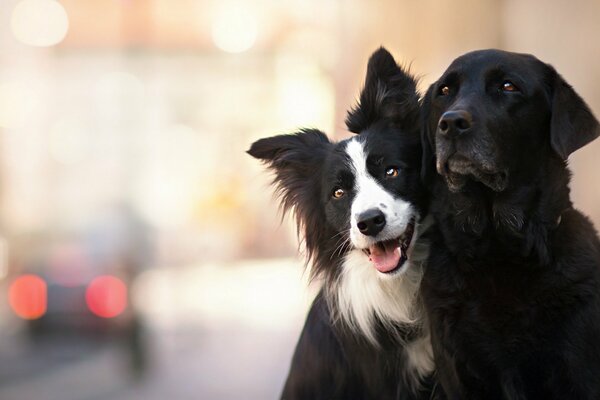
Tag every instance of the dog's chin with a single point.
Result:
(457, 172)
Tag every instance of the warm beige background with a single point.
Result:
(122, 151)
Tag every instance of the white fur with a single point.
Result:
(370, 194)
(419, 356)
(363, 294)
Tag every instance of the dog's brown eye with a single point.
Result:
(508, 86)
(391, 172)
(339, 192)
(444, 90)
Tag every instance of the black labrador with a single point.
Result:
(513, 287)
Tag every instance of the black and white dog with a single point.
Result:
(360, 206)
(513, 287)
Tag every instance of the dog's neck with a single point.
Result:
(530, 206)
(366, 303)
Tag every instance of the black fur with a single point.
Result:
(512, 289)
(297, 161)
(332, 360)
(386, 96)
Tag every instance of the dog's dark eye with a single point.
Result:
(338, 193)
(391, 172)
(444, 90)
(508, 86)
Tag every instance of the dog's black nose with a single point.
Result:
(371, 222)
(454, 123)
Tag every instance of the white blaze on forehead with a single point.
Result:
(370, 194)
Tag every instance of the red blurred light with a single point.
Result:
(106, 296)
(28, 296)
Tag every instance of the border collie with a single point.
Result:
(360, 207)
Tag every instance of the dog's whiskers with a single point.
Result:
(338, 250)
(342, 243)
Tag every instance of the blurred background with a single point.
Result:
(141, 252)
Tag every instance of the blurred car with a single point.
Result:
(75, 285)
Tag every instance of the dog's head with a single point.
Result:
(495, 115)
(363, 194)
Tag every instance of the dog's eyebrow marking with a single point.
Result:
(369, 192)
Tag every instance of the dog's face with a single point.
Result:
(493, 115)
(364, 194)
(372, 194)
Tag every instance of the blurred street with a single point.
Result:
(219, 364)
(189, 358)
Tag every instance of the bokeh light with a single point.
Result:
(28, 296)
(305, 96)
(17, 103)
(68, 143)
(114, 88)
(234, 28)
(40, 23)
(106, 296)
(264, 293)
(165, 198)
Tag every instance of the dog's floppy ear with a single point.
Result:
(295, 159)
(428, 157)
(573, 124)
(389, 92)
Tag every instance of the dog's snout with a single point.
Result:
(371, 222)
(454, 123)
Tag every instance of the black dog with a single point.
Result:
(360, 206)
(513, 286)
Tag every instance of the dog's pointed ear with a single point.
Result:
(572, 124)
(297, 151)
(389, 92)
(295, 159)
(428, 158)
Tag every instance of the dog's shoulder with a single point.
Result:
(575, 232)
(576, 252)
(318, 366)
(330, 362)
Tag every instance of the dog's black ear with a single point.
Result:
(297, 162)
(428, 157)
(573, 124)
(389, 92)
(290, 151)
(295, 159)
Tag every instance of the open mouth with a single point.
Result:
(388, 256)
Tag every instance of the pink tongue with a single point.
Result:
(386, 259)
